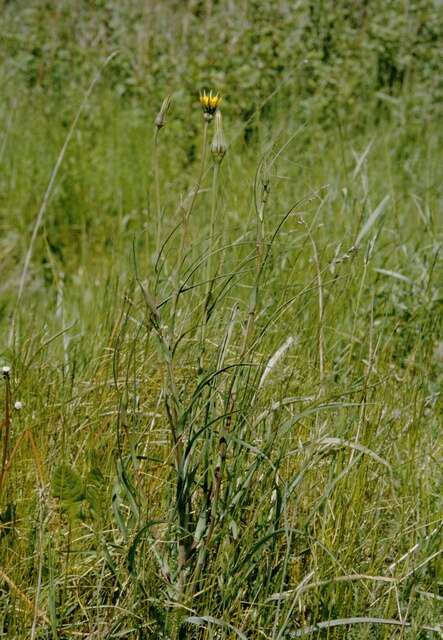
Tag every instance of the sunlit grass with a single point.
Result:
(230, 422)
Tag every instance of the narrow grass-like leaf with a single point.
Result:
(371, 220)
(204, 621)
(341, 622)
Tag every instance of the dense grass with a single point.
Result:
(229, 411)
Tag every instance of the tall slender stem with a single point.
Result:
(260, 260)
(157, 194)
(213, 212)
(201, 171)
(321, 350)
(182, 495)
(186, 216)
(209, 281)
(6, 428)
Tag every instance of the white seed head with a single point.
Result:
(6, 371)
(18, 404)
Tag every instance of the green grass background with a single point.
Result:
(329, 503)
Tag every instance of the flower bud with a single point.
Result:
(160, 119)
(218, 145)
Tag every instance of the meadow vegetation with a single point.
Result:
(221, 340)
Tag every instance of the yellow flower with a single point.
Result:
(209, 104)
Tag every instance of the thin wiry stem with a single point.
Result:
(200, 174)
(182, 495)
(6, 429)
(38, 589)
(44, 204)
(209, 281)
(213, 212)
(260, 252)
(186, 216)
(321, 350)
(157, 193)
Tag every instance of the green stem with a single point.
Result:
(157, 193)
(209, 281)
(186, 217)
(212, 232)
(183, 506)
(200, 176)
(260, 260)
(6, 429)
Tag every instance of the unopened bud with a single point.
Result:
(160, 119)
(218, 146)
